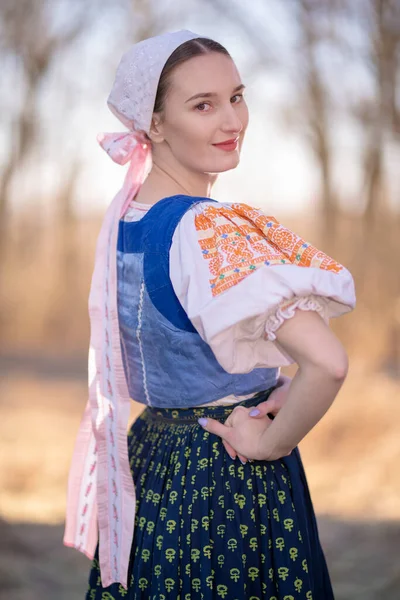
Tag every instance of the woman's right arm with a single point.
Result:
(323, 367)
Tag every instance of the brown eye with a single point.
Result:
(202, 104)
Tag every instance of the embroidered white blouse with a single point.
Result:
(239, 274)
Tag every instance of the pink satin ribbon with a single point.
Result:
(101, 497)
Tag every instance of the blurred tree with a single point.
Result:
(379, 114)
(31, 37)
(316, 102)
(28, 37)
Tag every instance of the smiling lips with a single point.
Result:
(229, 145)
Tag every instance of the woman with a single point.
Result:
(194, 306)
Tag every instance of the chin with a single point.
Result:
(230, 163)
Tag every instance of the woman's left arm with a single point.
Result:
(239, 276)
(323, 366)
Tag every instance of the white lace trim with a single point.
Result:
(287, 309)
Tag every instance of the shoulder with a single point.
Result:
(206, 214)
(227, 224)
(212, 213)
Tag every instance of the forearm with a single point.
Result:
(311, 393)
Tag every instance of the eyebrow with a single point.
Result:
(212, 94)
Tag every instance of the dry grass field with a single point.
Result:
(351, 458)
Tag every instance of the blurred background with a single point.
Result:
(322, 155)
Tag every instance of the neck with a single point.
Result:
(167, 179)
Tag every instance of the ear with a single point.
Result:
(156, 133)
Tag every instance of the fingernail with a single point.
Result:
(243, 462)
(232, 457)
(254, 412)
(202, 421)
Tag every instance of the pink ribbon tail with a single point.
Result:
(101, 495)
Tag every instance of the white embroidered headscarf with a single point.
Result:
(101, 495)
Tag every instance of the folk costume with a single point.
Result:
(185, 300)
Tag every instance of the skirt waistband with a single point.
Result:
(191, 414)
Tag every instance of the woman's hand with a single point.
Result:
(241, 421)
(241, 432)
(271, 406)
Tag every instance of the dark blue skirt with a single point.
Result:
(208, 527)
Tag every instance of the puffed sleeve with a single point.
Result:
(239, 274)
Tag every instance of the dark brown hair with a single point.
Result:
(184, 52)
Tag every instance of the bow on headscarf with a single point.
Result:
(100, 487)
(132, 147)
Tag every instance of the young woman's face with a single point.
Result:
(194, 126)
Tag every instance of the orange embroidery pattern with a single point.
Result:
(240, 239)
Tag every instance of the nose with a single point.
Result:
(231, 122)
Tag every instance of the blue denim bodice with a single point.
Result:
(166, 362)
